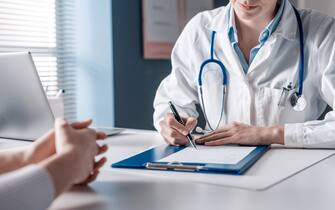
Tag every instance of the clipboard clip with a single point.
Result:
(175, 166)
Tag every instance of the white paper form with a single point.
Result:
(207, 154)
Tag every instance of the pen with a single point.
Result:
(178, 118)
(59, 93)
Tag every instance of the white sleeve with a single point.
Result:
(319, 133)
(180, 86)
(28, 188)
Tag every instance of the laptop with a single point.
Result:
(25, 113)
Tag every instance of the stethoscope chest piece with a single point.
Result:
(298, 103)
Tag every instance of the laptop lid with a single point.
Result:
(25, 113)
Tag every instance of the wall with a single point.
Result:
(94, 61)
(325, 6)
(135, 79)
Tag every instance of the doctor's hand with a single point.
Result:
(238, 133)
(175, 133)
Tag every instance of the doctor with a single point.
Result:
(262, 71)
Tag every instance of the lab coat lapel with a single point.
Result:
(223, 49)
(263, 55)
(225, 53)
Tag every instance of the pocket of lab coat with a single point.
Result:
(269, 113)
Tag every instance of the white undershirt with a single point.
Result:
(29, 188)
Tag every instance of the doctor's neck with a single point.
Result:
(253, 16)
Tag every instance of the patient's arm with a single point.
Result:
(41, 149)
(13, 159)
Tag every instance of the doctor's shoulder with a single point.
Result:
(197, 30)
(202, 21)
(318, 26)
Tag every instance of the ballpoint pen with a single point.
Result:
(178, 118)
(59, 93)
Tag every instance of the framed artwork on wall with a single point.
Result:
(163, 21)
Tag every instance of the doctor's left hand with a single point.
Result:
(238, 133)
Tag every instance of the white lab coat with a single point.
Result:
(253, 98)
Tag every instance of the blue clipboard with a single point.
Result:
(149, 160)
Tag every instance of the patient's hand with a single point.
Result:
(76, 148)
(79, 146)
(44, 146)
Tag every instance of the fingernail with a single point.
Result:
(103, 148)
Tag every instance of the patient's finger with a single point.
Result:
(92, 177)
(102, 149)
(82, 124)
(101, 135)
(99, 164)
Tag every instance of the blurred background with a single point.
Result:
(108, 55)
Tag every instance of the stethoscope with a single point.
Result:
(296, 99)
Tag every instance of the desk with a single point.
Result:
(313, 188)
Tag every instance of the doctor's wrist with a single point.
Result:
(276, 134)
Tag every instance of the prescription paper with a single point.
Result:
(207, 154)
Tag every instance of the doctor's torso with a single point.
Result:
(253, 97)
